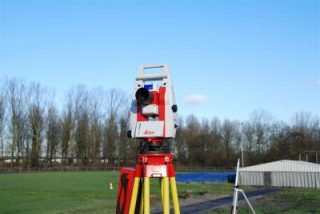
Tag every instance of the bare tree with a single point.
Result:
(114, 101)
(125, 144)
(67, 128)
(181, 144)
(18, 120)
(260, 123)
(36, 115)
(192, 139)
(227, 135)
(248, 133)
(315, 134)
(81, 112)
(215, 147)
(204, 142)
(96, 128)
(238, 141)
(52, 134)
(279, 142)
(301, 133)
(3, 98)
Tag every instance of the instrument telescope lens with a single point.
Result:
(143, 96)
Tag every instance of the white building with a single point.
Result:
(284, 173)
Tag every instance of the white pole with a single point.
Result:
(235, 191)
(237, 174)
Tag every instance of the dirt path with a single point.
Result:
(215, 203)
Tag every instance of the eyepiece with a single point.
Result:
(143, 96)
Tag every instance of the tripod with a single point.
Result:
(149, 165)
(152, 121)
(236, 190)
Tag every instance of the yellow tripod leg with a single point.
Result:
(141, 201)
(174, 193)
(134, 195)
(146, 195)
(166, 201)
(161, 190)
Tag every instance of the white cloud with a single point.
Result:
(317, 82)
(195, 99)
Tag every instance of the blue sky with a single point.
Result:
(227, 58)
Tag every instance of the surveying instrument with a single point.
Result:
(152, 122)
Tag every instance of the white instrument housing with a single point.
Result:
(155, 119)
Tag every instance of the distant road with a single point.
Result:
(212, 204)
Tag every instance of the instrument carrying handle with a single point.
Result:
(157, 76)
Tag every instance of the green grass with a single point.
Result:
(88, 192)
(58, 192)
(75, 192)
(289, 200)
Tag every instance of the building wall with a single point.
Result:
(280, 179)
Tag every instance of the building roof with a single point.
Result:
(283, 166)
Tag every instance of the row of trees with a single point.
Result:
(260, 139)
(90, 129)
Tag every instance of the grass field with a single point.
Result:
(88, 192)
(289, 200)
(76, 192)
(58, 192)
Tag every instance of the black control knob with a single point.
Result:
(129, 134)
(174, 108)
